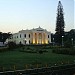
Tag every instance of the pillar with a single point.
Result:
(33, 38)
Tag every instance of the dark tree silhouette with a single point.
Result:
(4, 36)
(60, 24)
(70, 38)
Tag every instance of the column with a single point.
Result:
(46, 38)
(42, 38)
(37, 38)
(33, 38)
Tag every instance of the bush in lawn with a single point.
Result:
(41, 52)
(28, 51)
(12, 45)
(20, 45)
(3, 49)
(67, 44)
(72, 51)
(69, 51)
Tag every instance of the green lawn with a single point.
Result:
(19, 59)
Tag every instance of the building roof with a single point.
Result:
(32, 30)
(39, 29)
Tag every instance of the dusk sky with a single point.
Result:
(16, 15)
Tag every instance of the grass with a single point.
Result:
(10, 58)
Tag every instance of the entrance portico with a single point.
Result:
(40, 38)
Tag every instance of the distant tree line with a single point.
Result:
(68, 39)
(67, 51)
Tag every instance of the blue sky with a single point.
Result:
(16, 15)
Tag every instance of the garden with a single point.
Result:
(33, 57)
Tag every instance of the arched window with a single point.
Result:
(29, 35)
(20, 42)
(20, 35)
(48, 36)
(25, 41)
(29, 41)
(25, 35)
(17, 36)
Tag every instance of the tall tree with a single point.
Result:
(60, 24)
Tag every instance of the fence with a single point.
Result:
(53, 70)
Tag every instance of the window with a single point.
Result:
(25, 41)
(25, 35)
(20, 42)
(29, 35)
(48, 36)
(20, 35)
(17, 36)
(29, 41)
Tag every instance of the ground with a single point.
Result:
(20, 59)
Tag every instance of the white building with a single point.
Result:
(33, 36)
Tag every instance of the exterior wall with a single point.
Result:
(34, 36)
(22, 37)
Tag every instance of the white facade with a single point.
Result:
(33, 36)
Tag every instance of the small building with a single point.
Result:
(33, 36)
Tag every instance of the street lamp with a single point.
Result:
(62, 41)
(72, 41)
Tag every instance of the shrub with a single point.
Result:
(12, 45)
(3, 49)
(69, 51)
(41, 52)
(67, 44)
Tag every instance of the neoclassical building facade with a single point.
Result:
(33, 36)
